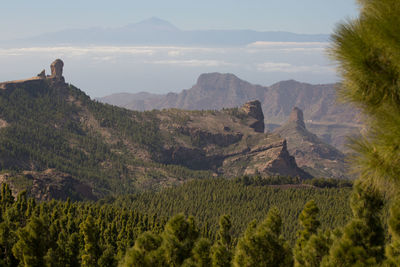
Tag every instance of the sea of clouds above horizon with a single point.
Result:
(103, 70)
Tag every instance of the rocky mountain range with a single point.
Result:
(330, 121)
(55, 140)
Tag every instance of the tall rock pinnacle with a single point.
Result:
(297, 117)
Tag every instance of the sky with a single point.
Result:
(23, 18)
(100, 70)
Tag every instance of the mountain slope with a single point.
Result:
(49, 124)
(313, 155)
(216, 91)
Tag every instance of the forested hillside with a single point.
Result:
(59, 127)
(244, 199)
(56, 142)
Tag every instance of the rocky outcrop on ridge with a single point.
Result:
(55, 77)
(297, 117)
(253, 109)
(230, 142)
(313, 155)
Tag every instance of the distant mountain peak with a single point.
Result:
(297, 117)
(153, 23)
(216, 80)
(287, 84)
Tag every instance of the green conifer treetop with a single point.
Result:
(263, 245)
(368, 52)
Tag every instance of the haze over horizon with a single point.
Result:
(101, 67)
(28, 18)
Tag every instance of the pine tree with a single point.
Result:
(146, 252)
(263, 245)
(393, 249)
(107, 258)
(316, 248)
(7, 241)
(367, 50)
(309, 223)
(32, 243)
(200, 254)
(51, 258)
(178, 237)
(362, 241)
(72, 250)
(6, 196)
(90, 233)
(221, 250)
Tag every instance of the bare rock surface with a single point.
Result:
(253, 109)
(57, 69)
(312, 154)
(296, 116)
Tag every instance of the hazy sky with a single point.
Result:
(102, 70)
(21, 18)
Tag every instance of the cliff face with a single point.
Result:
(253, 109)
(231, 142)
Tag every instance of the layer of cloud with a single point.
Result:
(78, 50)
(127, 68)
(191, 63)
(172, 51)
(290, 68)
(288, 46)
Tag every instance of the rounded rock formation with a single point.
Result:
(57, 69)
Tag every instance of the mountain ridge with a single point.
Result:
(55, 133)
(155, 31)
(223, 90)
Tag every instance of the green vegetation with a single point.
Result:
(209, 199)
(310, 248)
(362, 240)
(61, 128)
(58, 233)
(248, 221)
(367, 49)
(263, 245)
